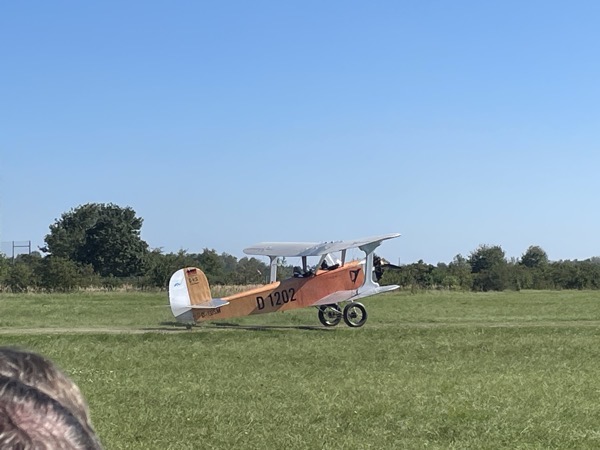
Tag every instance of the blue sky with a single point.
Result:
(227, 123)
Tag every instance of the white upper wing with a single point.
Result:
(290, 249)
(280, 248)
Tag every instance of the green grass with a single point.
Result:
(431, 370)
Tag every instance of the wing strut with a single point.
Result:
(273, 276)
(370, 286)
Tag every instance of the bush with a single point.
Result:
(20, 277)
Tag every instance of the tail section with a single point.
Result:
(188, 290)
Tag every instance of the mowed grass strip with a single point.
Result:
(145, 311)
(436, 370)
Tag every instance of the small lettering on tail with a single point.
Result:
(193, 276)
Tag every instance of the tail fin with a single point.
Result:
(188, 289)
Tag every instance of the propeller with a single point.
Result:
(382, 264)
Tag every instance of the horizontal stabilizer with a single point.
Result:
(212, 304)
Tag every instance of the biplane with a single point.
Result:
(330, 283)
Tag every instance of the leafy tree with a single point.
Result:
(489, 265)
(229, 264)
(20, 277)
(416, 276)
(439, 274)
(566, 275)
(486, 257)
(105, 236)
(4, 269)
(532, 269)
(575, 274)
(160, 267)
(251, 271)
(496, 279)
(284, 270)
(212, 265)
(534, 257)
(32, 259)
(522, 276)
(460, 269)
(59, 274)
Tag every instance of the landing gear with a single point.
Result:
(355, 314)
(188, 326)
(330, 315)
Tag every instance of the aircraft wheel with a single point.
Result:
(330, 315)
(355, 314)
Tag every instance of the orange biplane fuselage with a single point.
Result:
(283, 295)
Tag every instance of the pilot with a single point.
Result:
(299, 273)
(325, 266)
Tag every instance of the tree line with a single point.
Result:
(488, 269)
(99, 246)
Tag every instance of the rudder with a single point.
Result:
(197, 284)
(187, 287)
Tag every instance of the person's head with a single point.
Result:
(41, 373)
(31, 419)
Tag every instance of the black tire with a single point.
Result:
(330, 315)
(355, 314)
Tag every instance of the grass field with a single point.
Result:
(431, 370)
